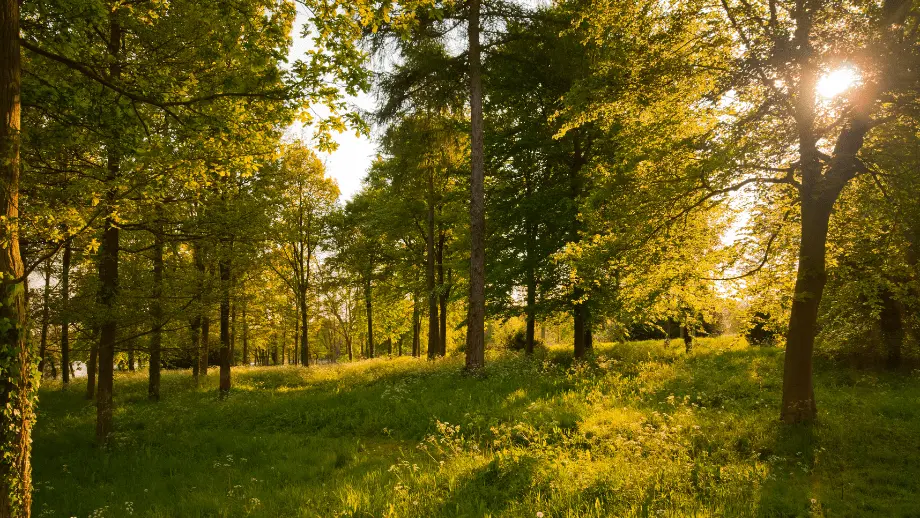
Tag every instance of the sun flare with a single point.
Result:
(837, 81)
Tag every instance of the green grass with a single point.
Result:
(642, 431)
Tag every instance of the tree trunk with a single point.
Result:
(892, 327)
(16, 357)
(224, 273)
(195, 335)
(296, 354)
(205, 350)
(589, 328)
(195, 321)
(433, 332)
(798, 389)
(233, 334)
(475, 331)
(65, 316)
(91, 366)
(156, 312)
(370, 318)
(578, 321)
(530, 310)
(108, 264)
(108, 330)
(46, 319)
(131, 346)
(416, 328)
(304, 330)
(245, 337)
(444, 288)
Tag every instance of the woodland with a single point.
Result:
(611, 258)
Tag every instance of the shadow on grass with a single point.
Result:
(491, 489)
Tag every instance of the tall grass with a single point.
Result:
(641, 430)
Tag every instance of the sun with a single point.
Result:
(837, 81)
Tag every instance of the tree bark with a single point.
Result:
(91, 365)
(304, 330)
(156, 312)
(890, 321)
(578, 321)
(434, 333)
(416, 328)
(444, 289)
(108, 264)
(131, 346)
(475, 331)
(224, 273)
(46, 319)
(65, 315)
(798, 389)
(16, 357)
(370, 318)
(233, 334)
(245, 336)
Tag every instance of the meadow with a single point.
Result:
(638, 430)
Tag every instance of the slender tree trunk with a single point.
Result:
(531, 318)
(589, 328)
(131, 346)
(416, 328)
(890, 321)
(245, 336)
(195, 322)
(297, 349)
(205, 358)
(195, 338)
(91, 366)
(444, 288)
(224, 273)
(156, 312)
(475, 332)
(578, 321)
(304, 330)
(65, 315)
(108, 265)
(370, 318)
(108, 330)
(434, 333)
(46, 319)
(16, 357)
(204, 344)
(233, 334)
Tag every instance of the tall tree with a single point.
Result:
(16, 357)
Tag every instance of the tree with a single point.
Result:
(16, 356)
(308, 197)
(785, 55)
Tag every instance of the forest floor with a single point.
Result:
(641, 431)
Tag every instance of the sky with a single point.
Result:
(349, 163)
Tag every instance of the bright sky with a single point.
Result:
(350, 162)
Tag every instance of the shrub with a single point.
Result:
(761, 330)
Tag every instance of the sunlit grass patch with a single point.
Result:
(638, 430)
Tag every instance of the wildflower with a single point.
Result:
(539, 514)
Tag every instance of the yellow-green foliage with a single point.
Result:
(641, 430)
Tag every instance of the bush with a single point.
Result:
(761, 330)
(517, 341)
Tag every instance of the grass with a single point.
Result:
(641, 431)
